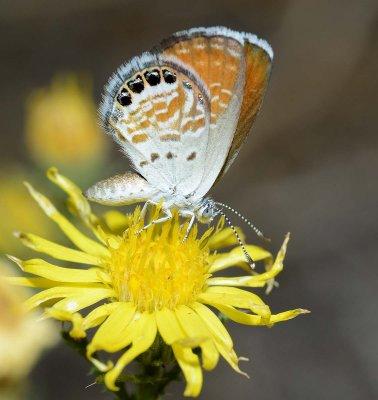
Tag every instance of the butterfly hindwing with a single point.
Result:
(158, 111)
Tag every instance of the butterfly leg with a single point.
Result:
(167, 217)
(145, 207)
(192, 216)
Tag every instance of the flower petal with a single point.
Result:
(144, 334)
(225, 238)
(248, 319)
(77, 332)
(172, 334)
(57, 251)
(76, 303)
(236, 257)
(78, 203)
(54, 273)
(194, 327)
(214, 324)
(79, 239)
(65, 291)
(230, 296)
(191, 368)
(244, 281)
(117, 221)
(113, 334)
(99, 314)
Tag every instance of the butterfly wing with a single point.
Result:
(258, 68)
(228, 62)
(157, 110)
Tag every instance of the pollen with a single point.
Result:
(157, 268)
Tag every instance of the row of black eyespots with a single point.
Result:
(136, 85)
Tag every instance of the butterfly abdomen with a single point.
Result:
(128, 188)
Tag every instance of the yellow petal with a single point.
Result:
(57, 251)
(76, 303)
(286, 315)
(193, 326)
(65, 291)
(78, 203)
(144, 331)
(230, 296)
(79, 239)
(54, 273)
(99, 314)
(236, 257)
(214, 324)
(168, 326)
(244, 281)
(248, 319)
(116, 221)
(225, 238)
(240, 316)
(41, 283)
(113, 334)
(77, 331)
(172, 334)
(191, 368)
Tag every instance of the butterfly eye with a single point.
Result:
(169, 76)
(136, 85)
(124, 98)
(152, 77)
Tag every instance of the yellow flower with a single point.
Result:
(22, 337)
(152, 283)
(18, 211)
(61, 125)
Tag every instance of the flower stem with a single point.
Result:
(158, 368)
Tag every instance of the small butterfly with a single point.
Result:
(180, 113)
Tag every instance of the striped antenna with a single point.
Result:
(248, 222)
(249, 259)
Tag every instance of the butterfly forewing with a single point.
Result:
(218, 56)
(258, 68)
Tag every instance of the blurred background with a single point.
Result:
(310, 167)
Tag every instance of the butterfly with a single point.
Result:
(181, 113)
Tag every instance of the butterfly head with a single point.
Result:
(206, 211)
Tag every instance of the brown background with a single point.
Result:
(310, 167)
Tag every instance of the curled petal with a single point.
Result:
(144, 334)
(79, 239)
(193, 326)
(173, 334)
(99, 314)
(77, 331)
(191, 368)
(115, 333)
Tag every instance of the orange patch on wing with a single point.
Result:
(216, 59)
(140, 138)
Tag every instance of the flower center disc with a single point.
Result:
(157, 269)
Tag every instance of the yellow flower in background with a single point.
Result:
(22, 336)
(61, 125)
(145, 285)
(18, 210)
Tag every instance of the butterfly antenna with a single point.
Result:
(248, 222)
(241, 244)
